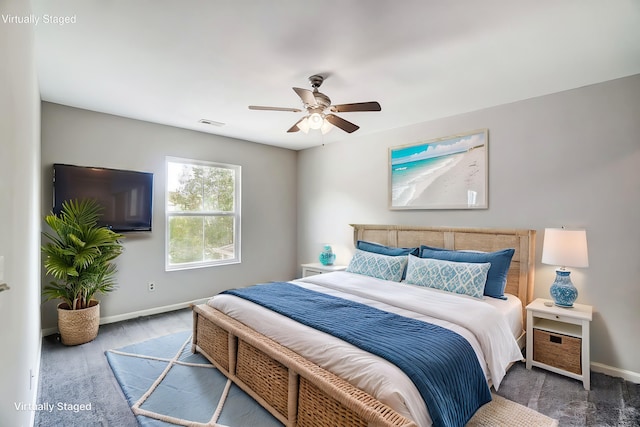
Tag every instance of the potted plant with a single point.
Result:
(79, 256)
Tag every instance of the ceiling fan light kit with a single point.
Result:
(326, 127)
(302, 125)
(317, 104)
(315, 121)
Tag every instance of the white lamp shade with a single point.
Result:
(326, 127)
(315, 121)
(565, 248)
(303, 125)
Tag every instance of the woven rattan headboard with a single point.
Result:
(521, 272)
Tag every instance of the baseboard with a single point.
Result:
(136, 314)
(616, 372)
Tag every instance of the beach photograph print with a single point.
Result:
(445, 173)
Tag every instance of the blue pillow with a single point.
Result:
(385, 250)
(376, 265)
(500, 262)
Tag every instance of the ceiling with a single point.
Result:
(176, 62)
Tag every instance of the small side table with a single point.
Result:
(558, 339)
(317, 268)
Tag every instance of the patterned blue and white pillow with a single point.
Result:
(376, 265)
(500, 262)
(459, 277)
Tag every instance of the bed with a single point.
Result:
(298, 381)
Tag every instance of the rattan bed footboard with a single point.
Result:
(296, 391)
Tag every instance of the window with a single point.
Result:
(203, 214)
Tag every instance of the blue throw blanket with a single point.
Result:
(441, 363)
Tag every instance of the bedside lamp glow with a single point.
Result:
(564, 248)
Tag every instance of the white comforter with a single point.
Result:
(481, 324)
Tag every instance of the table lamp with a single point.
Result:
(564, 248)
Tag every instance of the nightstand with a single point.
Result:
(317, 268)
(558, 339)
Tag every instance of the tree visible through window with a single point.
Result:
(203, 214)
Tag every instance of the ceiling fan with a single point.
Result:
(320, 111)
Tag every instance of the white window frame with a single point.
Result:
(236, 214)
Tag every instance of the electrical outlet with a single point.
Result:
(151, 286)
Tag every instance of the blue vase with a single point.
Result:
(327, 257)
(562, 290)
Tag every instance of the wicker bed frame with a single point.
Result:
(302, 394)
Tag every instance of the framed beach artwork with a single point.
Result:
(444, 173)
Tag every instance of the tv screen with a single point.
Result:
(125, 196)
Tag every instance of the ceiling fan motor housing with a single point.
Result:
(322, 100)
(316, 81)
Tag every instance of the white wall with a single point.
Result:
(19, 218)
(571, 158)
(269, 189)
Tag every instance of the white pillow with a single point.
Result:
(459, 277)
(376, 265)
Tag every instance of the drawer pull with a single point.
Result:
(557, 317)
(555, 339)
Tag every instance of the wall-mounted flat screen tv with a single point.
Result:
(125, 195)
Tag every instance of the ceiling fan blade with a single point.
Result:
(341, 123)
(358, 106)
(258, 107)
(306, 95)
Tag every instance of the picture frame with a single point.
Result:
(443, 173)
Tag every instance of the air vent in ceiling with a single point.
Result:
(210, 122)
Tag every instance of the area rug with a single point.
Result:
(501, 412)
(165, 384)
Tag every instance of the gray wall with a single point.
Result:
(269, 191)
(19, 218)
(570, 158)
(566, 159)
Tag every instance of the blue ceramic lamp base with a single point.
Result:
(562, 290)
(327, 257)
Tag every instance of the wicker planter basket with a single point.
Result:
(78, 326)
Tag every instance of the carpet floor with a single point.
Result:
(81, 375)
(165, 383)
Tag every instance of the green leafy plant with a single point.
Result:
(79, 254)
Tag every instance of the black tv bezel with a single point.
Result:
(115, 229)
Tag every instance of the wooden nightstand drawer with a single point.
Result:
(560, 351)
